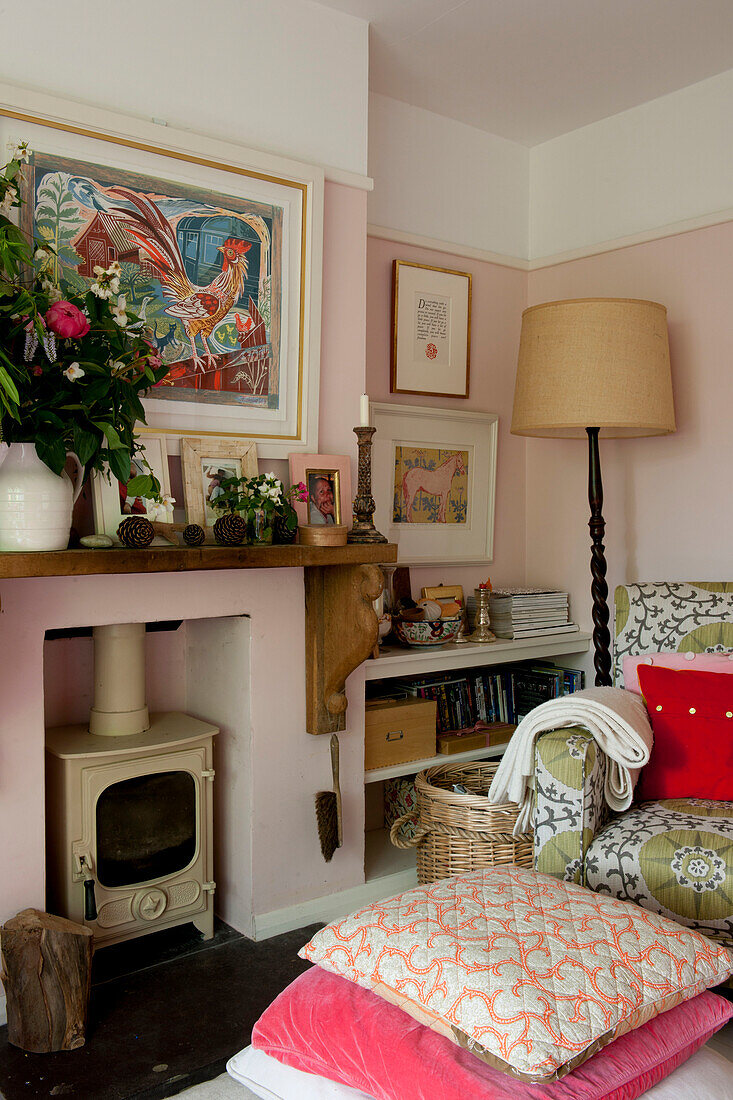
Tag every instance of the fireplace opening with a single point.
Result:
(146, 828)
(129, 804)
(160, 817)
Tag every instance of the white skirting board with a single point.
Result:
(332, 906)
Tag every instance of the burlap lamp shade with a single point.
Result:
(594, 362)
(591, 366)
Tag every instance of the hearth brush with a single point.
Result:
(328, 809)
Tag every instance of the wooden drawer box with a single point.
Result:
(398, 730)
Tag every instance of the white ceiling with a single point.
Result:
(530, 70)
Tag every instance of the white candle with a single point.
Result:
(364, 411)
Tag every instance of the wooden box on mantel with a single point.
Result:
(398, 730)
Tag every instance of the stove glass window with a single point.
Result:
(146, 828)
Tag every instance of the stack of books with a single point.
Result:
(527, 612)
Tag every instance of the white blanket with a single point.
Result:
(618, 722)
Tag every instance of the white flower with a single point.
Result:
(19, 150)
(54, 294)
(118, 311)
(6, 205)
(74, 371)
(98, 270)
(40, 255)
(161, 509)
(114, 268)
(114, 285)
(117, 366)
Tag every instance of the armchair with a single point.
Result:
(673, 856)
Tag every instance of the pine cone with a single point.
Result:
(230, 530)
(136, 532)
(193, 535)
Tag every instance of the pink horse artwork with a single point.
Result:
(433, 482)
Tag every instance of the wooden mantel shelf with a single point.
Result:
(77, 563)
(341, 583)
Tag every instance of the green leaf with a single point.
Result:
(52, 451)
(119, 463)
(110, 434)
(141, 486)
(9, 385)
(85, 444)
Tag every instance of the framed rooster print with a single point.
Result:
(216, 253)
(433, 480)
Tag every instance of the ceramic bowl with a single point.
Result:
(424, 634)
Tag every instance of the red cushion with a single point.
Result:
(692, 717)
(326, 1025)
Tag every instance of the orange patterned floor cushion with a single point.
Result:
(530, 974)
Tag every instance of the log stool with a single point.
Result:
(47, 972)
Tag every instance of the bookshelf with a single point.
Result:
(389, 868)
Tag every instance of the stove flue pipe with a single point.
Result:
(119, 707)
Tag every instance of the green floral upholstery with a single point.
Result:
(570, 808)
(673, 857)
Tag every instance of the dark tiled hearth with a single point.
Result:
(167, 1011)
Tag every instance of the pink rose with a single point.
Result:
(67, 321)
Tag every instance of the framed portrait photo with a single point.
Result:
(112, 502)
(219, 251)
(328, 481)
(433, 481)
(431, 330)
(205, 463)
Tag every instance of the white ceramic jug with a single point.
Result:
(35, 503)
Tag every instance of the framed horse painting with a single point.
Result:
(433, 479)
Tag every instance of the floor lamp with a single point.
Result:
(589, 366)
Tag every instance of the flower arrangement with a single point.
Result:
(264, 494)
(73, 367)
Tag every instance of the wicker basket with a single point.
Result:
(457, 833)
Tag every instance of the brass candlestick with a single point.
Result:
(364, 506)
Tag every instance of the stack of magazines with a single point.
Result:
(527, 612)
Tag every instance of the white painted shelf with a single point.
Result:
(396, 661)
(411, 767)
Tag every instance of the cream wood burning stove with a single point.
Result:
(129, 806)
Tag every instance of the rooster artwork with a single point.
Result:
(202, 270)
(200, 309)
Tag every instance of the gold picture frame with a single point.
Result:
(112, 149)
(204, 461)
(431, 330)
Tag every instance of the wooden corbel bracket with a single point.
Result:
(340, 632)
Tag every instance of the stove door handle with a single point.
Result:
(90, 902)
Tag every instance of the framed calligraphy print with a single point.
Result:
(431, 330)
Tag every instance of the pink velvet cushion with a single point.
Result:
(693, 662)
(326, 1025)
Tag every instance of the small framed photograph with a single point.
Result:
(434, 480)
(328, 481)
(431, 330)
(205, 463)
(111, 501)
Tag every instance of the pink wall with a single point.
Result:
(667, 500)
(287, 764)
(498, 298)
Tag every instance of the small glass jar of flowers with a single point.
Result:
(265, 504)
(73, 366)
